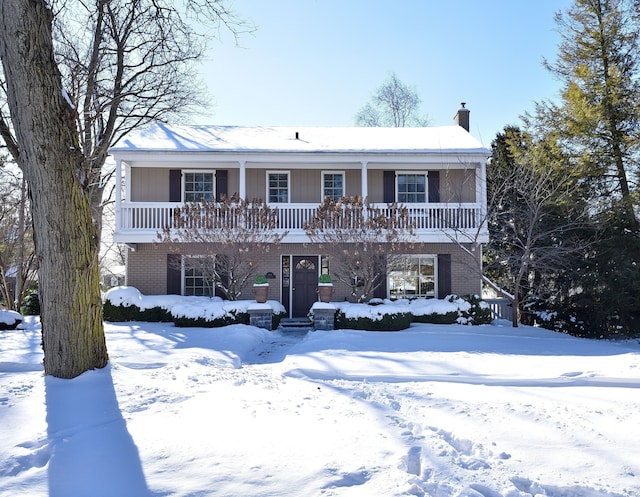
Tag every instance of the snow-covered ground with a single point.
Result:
(435, 410)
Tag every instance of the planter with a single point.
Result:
(261, 292)
(325, 292)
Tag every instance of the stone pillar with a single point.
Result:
(323, 316)
(260, 316)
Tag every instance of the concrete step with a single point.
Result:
(296, 323)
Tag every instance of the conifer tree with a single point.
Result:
(598, 117)
(597, 123)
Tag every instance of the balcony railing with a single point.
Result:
(153, 217)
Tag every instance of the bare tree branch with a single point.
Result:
(226, 239)
(360, 241)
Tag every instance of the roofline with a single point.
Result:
(481, 154)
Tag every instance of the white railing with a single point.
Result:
(155, 216)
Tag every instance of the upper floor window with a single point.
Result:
(198, 186)
(412, 188)
(332, 185)
(277, 187)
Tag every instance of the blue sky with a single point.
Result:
(317, 62)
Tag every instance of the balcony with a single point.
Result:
(140, 222)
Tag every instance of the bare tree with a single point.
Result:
(17, 256)
(360, 241)
(394, 104)
(116, 65)
(225, 240)
(536, 225)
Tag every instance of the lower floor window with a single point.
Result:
(412, 276)
(198, 276)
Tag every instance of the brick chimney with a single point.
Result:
(462, 117)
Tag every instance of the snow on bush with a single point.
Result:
(9, 319)
(179, 306)
(373, 312)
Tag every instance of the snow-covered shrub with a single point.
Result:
(9, 320)
(31, 303)
(450, 310)
(378, 317)
(479, 312)
(123, 304)
(122, 313)
(128, 304)
(387, 322)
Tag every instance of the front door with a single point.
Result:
(305, 284)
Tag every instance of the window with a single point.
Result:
(332, 185)
(198, 186)
(412, 276)
(198, 276)
(412, 188)
(277, 187)
(306, 264)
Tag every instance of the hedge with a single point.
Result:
(388, 322)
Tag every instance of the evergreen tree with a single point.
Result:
(536, 227)
(599, 114)
(597, 122)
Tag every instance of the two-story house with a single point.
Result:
(439, 172)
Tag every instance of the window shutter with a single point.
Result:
(174, 275)
(222, 184)
(175, 185)
(381, 291)
(389, 187)
(444, 275)
(434, 186)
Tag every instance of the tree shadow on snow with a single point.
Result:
(92, 452)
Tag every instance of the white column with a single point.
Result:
(243, 180)
(365, 181)
(481, 191)
(118, 194)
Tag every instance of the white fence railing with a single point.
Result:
(155, 216)
(500, 308)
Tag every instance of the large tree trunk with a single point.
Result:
(65, 236)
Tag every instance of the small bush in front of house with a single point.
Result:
(435, 318)
(384, 322)
(31, 303)
(217, 322)
(479, 313)
(9, 320)
(122, 304)
(124, 313)
(231, 317)
(276, 318)
(451, 310)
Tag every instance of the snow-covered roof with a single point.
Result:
(168, 138)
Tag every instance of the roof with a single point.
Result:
(168, 138)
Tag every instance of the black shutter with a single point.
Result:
(222, 184)
(389, 187)
(381, 291)
(174, 275)
(444, 275)
(434, 186)
(175, 185)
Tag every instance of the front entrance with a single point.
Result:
(304, 284)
